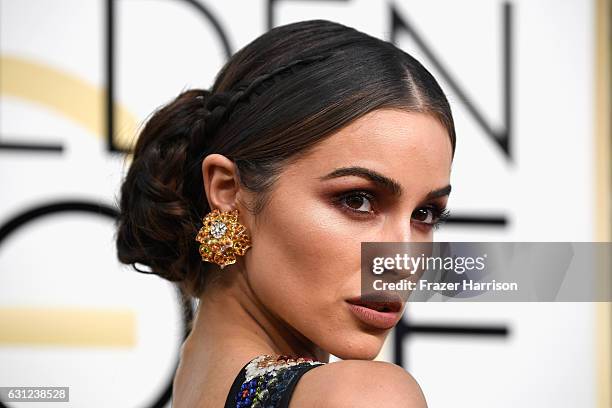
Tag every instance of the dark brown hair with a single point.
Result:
(278, 96)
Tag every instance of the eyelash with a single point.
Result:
(439, 213)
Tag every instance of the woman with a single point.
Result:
(255, 197)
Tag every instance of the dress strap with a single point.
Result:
(290, 387)
(230, 400)
(268, 381)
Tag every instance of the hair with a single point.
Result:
(274, 99)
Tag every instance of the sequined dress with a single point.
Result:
(268, 381)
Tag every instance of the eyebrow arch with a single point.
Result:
(383, 181)
(440, 192)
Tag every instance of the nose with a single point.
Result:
(398, 230)
(401, 228)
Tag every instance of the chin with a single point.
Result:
(361, 346)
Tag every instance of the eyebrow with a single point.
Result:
(377, 178)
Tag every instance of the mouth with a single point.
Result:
(382, 313)
(380, 302)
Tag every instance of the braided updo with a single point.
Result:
(272, 101)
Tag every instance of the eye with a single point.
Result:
(357, 201)
(431, 215)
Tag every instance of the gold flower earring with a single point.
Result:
(222, 237)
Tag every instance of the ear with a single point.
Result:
(220, 182)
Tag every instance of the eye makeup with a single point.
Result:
(365, 204)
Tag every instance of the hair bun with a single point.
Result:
(158, 216)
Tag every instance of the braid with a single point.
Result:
(220, 106)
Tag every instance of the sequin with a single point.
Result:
(267, 378)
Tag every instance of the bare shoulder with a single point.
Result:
(358, 383)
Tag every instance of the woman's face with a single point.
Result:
(304, 263)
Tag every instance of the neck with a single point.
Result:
(231, 319)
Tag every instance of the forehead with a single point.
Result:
(403, 145)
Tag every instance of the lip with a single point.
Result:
(365, 311)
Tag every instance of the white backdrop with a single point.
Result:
(70, 315)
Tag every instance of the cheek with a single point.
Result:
(301, 257)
